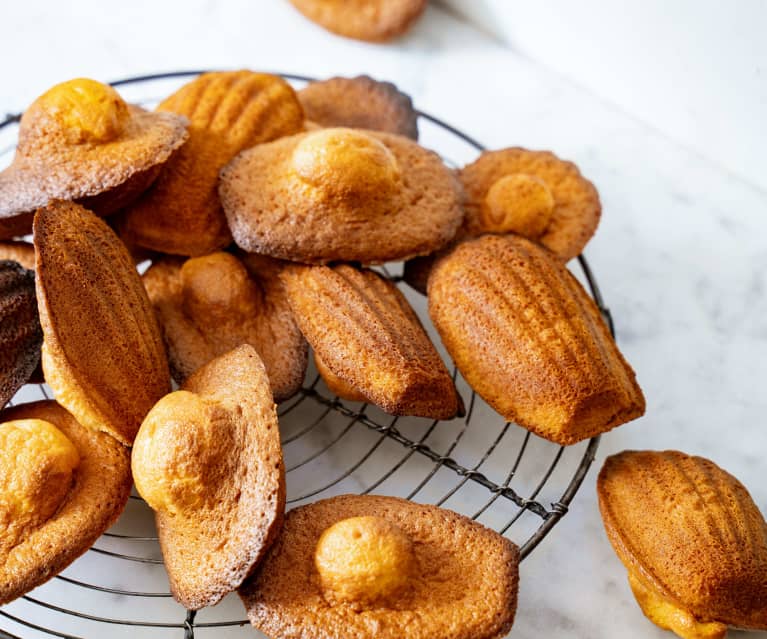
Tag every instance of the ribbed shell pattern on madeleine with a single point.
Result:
(360, 102)
(689, 534)
(530, 341)
(228, 112)
(103, 354)
(364, 331)
(86, 502)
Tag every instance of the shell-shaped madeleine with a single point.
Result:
(364, 332)
(688, 531)
(360, 102)
(341, 195)
(209, 305)
(228, 112)
(20, 332)
(532, 193)
(81, 141)
(529, 340)
(91, 500)
(208, 461)
(460, 580)
(369, 20)
(103, 354)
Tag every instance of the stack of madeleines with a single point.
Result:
(261, 211)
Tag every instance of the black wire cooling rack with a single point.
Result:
(492, 471)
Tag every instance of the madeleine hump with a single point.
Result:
(61, 486)
(368, 566)
(209, 305)
(534, 194)
(81, 141)
(208, 461)
(341, 195)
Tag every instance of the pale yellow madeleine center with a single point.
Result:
(364, 561)
(84, 110)
(669, 616)
(518, 203)
(37, 462)
(182, 454)
(345, 162)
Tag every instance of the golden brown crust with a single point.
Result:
(228, 112)
(18, 251)
(369, 20)
(199, 325)
(530, 341)
(208, 551)
(20, 332)
(103, 204)
(364, 331)
(50, 166)
(111, 201)
(361, 103)
(466, 587)
(577, 208)
(272, 211)
(689, 531)
(98, 495)
(336, 385)
(103, 353)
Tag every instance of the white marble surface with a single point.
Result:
(681, 254)
(683, 67)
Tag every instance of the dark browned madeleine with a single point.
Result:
(228, 112)
(20, 332)
(416, 271)
(692, 539)
(364, 332)
(529, 339)
(103, 354)
(361, 103)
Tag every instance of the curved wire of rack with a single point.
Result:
(441, 470)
